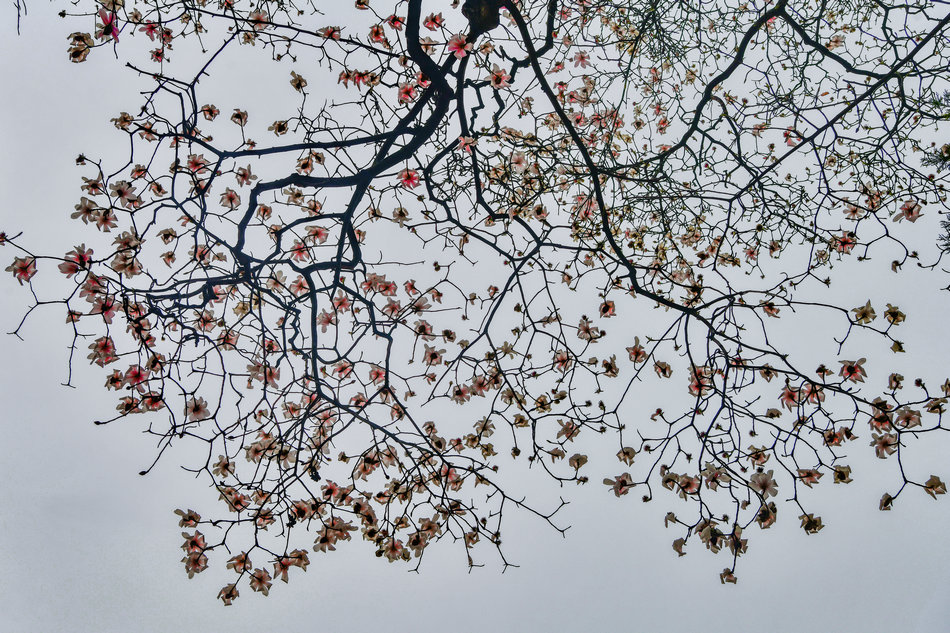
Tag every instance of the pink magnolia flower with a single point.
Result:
(196, 409)
(261, 581)
(621, 485)
(466, 143)
(325, 319)
(586, 331)
(258, 20)
(409, 178)
(423, 330)
(317, 234)
(835, 42)
(909, 211)
(197, 163)
(519, 162)
(688, 486)
(23, 269)
(809, 476)
(377, 34)
(845, 242)
(452, 479)
(271, 376)
(407, 93)
(299, 286)
(395, 22)
(461, 394)
(103, 351)
(106, 306)
(636, 352)
(884, 445)
(459, 46)
(299, 252)
(194, 543)
(433, 21)
(480, 385)
(240, 563)
(791, 137)
(789, 397)
(343, 369)
(377, 375)
(908, 418)
(230, 199)
(135, 376)
(222, 468)
(700, 382)
(109, 26)
(853, 370)
(764, 484)
(228, 594)
(209, 112)
(244, 175)
(150, 29)
(393, 549)
(421, 304)
(499, 78)
(188, 519)
(341, 302)
(432, 356)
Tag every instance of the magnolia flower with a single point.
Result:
(499, 78)
(809, 476)
(853, 370)
(884, 445)
(109, 27)
(230, 199)
(196, 409)
(636, 352)
(845, 242)
(228, 594)
(764, 484)
(864, 314)
(621, 485)
(240, 563)
(810, 523)
(909, 211)
(298, 82)
(586, 331)
(432, 356)
(209, 112)
(23, 268)
(466, 143)
(261, 581)
(407, 93)
(189, 518)
(409, 178)
(459, 46)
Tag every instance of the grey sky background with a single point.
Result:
(88, 545)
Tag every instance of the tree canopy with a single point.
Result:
(368, 256)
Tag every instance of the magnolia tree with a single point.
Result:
(366, 257)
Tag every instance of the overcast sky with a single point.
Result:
(88, 545)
